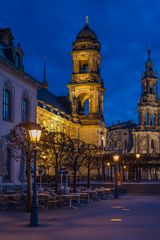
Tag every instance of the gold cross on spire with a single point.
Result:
(87, 21)
(149, 52)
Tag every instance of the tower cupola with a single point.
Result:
(86, 39)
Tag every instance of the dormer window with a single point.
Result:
(17, 60)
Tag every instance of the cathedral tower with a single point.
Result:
(146, 136)
(148, 104)
(86, 89)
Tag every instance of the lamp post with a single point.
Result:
(137, 163)
(124, 169)
(34, 134)
(116, 159)
(109, 173)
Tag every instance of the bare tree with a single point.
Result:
(76, 158)
(90, 159)
(19, 143)
(56, 147)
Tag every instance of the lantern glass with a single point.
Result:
(116, 158)
(35, 135)
(138, 155)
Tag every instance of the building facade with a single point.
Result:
(18, 98)
(119, 137)
(24, 99)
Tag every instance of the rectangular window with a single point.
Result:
(24, 110)
(6, 105)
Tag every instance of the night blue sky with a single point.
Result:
(125, 29)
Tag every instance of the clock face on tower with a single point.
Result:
(83, 77)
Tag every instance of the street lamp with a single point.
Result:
(116, 159)
(137, 162)
(34, 134)
(138, 155)
(109, 170)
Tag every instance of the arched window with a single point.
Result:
(147, 118)
(6, 105)
(151, 90)
(152, 144)
(154, 88)
(83, 66)
(153, 120)
(86, 107)
(24, 110)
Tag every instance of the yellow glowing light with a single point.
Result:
(35, 135)
(116, 219)
(138, 155)
(124, 167)
(117, 207)
(108, 164)
(116, 158)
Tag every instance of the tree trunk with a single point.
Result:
(56, 177)
(28, 175)
(98, 173)
(74, 180)
(111, 173)
(88, 176)
(103, 172)
(123, 174)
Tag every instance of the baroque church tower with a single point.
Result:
(147, 135)
(86, 89)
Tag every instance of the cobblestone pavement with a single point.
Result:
(128, 218)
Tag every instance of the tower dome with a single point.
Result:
(86, 34)
(86, 38)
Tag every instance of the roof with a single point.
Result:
(86, 34)
(61, 103)
(121, 125)
(8, 52)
